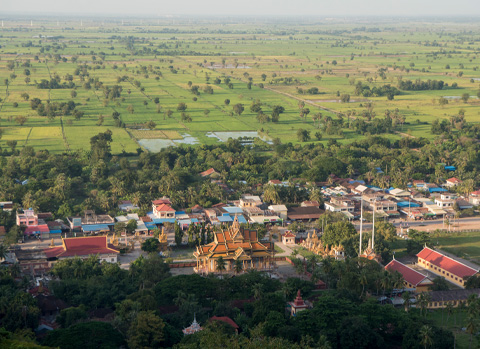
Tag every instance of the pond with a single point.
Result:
(224, 136)
(155, 145)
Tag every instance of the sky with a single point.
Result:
(322, 8)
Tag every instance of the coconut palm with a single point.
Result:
(472, 327)
(449, 308)
(220, 265)
(426, 336)
(406, 300)
(238, 267)
(423, 299)
(3, 251)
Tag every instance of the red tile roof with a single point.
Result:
(275, 181)
(81, 246)
(410, 275)
(289, 234)
(164, 208)
(224, 319)
(208, 172)
(454, 180)
(446, 263)
(162, 201)
(43, 228)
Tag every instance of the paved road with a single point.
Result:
(398, 223)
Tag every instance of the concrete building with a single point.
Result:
(447, 267)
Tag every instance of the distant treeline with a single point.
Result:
(54, 84)
(419, 85)
(385, 90)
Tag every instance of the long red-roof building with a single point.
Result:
(83, 247)
(411, 277)
(447, 267)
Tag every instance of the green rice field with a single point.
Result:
(156, 64)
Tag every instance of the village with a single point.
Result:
(251, 233)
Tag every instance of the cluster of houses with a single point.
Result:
(420, 200)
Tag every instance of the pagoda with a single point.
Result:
(297, 305)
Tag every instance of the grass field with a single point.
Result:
(454, 323)
(148, 62)
(463, 245)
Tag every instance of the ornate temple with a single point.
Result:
(315, 245)
(235, 244)
(369, 253)
(193, 328)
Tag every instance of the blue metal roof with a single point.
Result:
(241, 219)
(94, 227)
(55, 231)
(233, 209)
(225, 219)
(450, 168)
(163, 220)
(437, 190)
(407, 204)
(180, 212)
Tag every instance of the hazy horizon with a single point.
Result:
(151, 8)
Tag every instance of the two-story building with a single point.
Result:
(27, 218)
(445, 200)
(250, 201)
(452, 182)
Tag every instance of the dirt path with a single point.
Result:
(306, 101)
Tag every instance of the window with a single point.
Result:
(113, 259)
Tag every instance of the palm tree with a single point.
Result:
(238, 266)
(472, 327)
(363, 278)
(3, 251)
(406, 300)
(423, 299)
(426, 336)
(220, 265)
(257, 291)
(449, 308)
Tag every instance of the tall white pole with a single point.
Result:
(361, 226)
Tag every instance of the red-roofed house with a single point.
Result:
(411, 277)
(163, 211)
(226, 320)
(442, 265)
(83, 247)
(452, 182)
(211, 172)
(163, 200)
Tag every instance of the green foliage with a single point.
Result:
(417, 240)
(336, 233)
(88, 335)
(146, 331)
(150, 245)
(70, 316)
